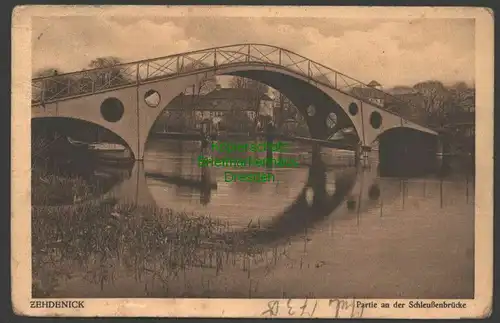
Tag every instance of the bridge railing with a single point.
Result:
(54, 88)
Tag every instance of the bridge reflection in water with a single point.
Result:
(325, 229)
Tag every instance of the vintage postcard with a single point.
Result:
(232, 161)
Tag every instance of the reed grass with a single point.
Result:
(101, 241)
(105, 240)
(54, 187)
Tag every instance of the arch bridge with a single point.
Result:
(128, 98)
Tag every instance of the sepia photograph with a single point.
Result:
(275, 154)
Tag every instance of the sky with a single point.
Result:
(392, 52)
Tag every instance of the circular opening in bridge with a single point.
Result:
(309, 196)
(331, 120)
(311, 110)
(353, 109)
(112, 109)
(152, 98)
(375, 119)
(374, 192)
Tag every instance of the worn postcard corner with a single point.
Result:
(287, 162)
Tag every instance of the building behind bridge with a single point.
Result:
(238, 110)
(395, 102)
(456, 122)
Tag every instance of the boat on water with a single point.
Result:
(77, 143)
(110, 151)
(105, 151)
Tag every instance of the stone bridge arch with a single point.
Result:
(405, 151)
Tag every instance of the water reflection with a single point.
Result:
(320, 225)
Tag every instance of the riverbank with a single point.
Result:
(95, 241)
(107, 250)
(245, 247)
(52, 188)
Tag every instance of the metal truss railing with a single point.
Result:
(87, 82)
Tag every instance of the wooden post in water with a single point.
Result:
(205, 132)
(467, 188)
(404, 191)
(441, 192)
(360, 156)
(357, 154)
(381, 206)
(270, 139)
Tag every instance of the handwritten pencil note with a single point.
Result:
(340, 308)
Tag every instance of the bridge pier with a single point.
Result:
(318, 177)
(409, 154)
(134, 190)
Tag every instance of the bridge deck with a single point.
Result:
(89, 82)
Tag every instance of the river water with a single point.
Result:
(372, 237)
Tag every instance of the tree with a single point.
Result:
(103, 62)
(237, 120)
(436, 101)
(463, 97)
(109, 73)
(458, 110)
(461, 112)
(238, 82)
(399, 89)
(289, 120)
(322, 79)
(443, 105)
(50, 71)
(57, 84)
(285, 108)
(206, 84)
(460, 86)
(257, 89)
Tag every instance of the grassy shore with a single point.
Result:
(51, 189)
(53, 185)
(56, 187)
(100, 240)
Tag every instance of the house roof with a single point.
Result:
(374, 83)
(368, 92)
(184, 99)
(231, 93)
(414, 99)
(397, 90)
(410, 97)
(209, 101)
(265, 97)
(392, 102)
